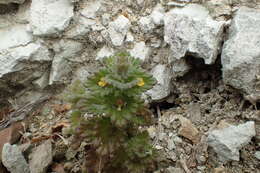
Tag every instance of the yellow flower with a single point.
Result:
(140, 82)
(102, 82)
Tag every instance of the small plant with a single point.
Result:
(117, 141)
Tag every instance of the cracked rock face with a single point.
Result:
(241, 52)
(190, 30)
(50, 18)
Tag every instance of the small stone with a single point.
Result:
(228, 141)
(41, 157)
(188, 130)
(157, 17)
(13, 159)
(104, 52)
(220, 170)
(118, 29)
(91, 8)
(257, 155)
(141, 51)
(152, 131)
(146, 24)
(129, 38)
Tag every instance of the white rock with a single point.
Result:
(240, 56)
(11, 1)
(129, 38)
(228, 141)
(50, 17)
(191, 30)
(158, 15)
(118, 29)
(104, 52)
(91, 8)
(65, 51)
(146, 24)
(163, 87)
(140, 51)
(13, 159)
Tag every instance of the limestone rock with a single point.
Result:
(140, 51)
(219, 8)
(241, 52)
(157, 15)
(50, 18)
(146, 24)
(163, 87)
(118, 29)
(13, 159)
(228, 141)
(11, 1)
(104, 52)
(190, 30)
(65, 51)
(41, 157)
(91, 8)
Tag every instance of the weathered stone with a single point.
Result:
(118, 29)
(146, 24)
(228, 141)
(241, 52)
(141, 51)
(190, 30)
(163, 87)
(180, 67)
(91, 8)
(188, 130)
(257, 155)
(13, 159)
(11, 1)
(65, 51)
(41, 158)
(174, 170)
(50, 18)
(104, 52)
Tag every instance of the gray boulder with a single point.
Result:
(241, 52)
(49, 18)
(228, 141)
(13, 159)
(191, 30)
